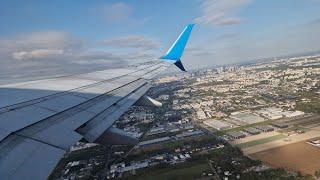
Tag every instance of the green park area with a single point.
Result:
(190, 171)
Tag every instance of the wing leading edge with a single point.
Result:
(40, 120)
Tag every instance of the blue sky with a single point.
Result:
(57, 33)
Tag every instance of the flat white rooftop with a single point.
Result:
(247, 117)
(217, 124)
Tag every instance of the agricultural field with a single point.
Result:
(299, 156)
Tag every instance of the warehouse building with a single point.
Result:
(252, 131)
(265, 128)
(280, 124)
(154, 141)
(216, 124)
(236, 135)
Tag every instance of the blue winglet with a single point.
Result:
(176, 50)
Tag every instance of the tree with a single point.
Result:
(317, 173)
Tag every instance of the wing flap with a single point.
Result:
(100, 123)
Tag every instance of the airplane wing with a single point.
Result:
(40, 120)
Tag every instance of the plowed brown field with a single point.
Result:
(300, 156)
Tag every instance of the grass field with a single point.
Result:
(294, 128)
(260, 141)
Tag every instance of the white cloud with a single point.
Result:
(58, 53)
(37, 53)
(56, 47)
(46, 44)
(45, 40)
(221, 12)
(134, 41)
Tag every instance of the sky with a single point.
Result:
(60, 36)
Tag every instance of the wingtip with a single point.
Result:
(176, 50)
(180, 65)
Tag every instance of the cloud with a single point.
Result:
(121, 12)
(56, 47)
(228, 36)
(46, 44)
(314, 22)
(221, 12)
(51, 53)
(134, 41)
(198, 51)
(46, 39)
(97, 55)
(91, 56)
(107, 58)
(38, 53)
(117, 12)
